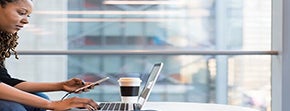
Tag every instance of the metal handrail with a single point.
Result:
(145, 52)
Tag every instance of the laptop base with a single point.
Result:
(149, 110)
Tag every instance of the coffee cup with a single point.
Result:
(129, 89)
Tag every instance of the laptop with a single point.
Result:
(142, 98)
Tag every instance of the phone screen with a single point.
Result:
(93, 84)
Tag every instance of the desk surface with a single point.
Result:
(186, 106)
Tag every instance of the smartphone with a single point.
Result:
(93, 84)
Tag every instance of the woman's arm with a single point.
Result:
(12, 94)
(9, 93)
(69, 86)
(39, 86)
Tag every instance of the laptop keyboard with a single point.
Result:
(114, 107)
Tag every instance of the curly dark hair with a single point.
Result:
(8, 43)
(3, 3)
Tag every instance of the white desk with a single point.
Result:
(186, 106)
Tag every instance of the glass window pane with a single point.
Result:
(188, 24)
(176, 25)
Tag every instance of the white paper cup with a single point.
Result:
(129, 89)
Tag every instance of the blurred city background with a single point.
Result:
(154, 25)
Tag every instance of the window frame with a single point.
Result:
(280, 63)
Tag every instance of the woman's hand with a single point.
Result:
(74, 102)
(73, 84)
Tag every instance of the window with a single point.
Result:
(91, 39)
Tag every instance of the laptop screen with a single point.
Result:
(153, 75)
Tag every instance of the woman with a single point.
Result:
(16, 94)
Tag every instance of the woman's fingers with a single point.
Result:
(86, 88)
(73, 102)
(90, 108)
(86, 103)
(77, 81)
